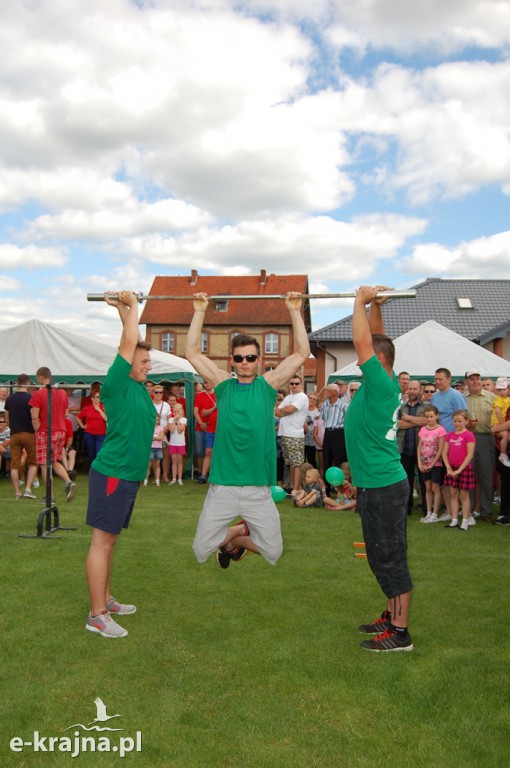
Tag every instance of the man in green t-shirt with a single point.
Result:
(243, 465)
(377, 472)
(122, 462)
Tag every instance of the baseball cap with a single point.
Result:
(501, 383)
(472, 372)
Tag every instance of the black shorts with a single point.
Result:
(435, 475)
(384, 521)
(111, 502)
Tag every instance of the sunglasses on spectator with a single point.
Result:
(158, 391)
(248, 358)
(294, 383)
(429, 391)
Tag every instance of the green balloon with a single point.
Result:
(278, 493)
(335, 476)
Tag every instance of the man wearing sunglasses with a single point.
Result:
(243, 465)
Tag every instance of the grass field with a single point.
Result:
(255, 666)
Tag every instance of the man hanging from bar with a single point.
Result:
(244, 460)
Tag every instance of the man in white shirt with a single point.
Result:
(292, 414)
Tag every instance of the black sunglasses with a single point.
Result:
(248, 358)
(429, 391)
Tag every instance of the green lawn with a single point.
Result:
(255, 666)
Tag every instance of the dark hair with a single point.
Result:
(384, 345)
(243, 340)
(23, 380)
(445, 371)
(431, 408)
(460, 411)
(44, 373)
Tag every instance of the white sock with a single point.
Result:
(464, 525)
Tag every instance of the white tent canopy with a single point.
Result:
(73, 358)
(430, 346)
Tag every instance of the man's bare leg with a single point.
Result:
(98, 568)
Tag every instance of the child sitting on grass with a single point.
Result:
(345, 493)
(311, 492)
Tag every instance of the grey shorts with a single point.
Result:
(225, 503)
(384, 521)
(293, 450)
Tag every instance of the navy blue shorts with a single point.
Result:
(111, 502)
(384, 521)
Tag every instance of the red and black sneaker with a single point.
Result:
(237, 554)
(223, 557)
(389, 640)
(379, 625)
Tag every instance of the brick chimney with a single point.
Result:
(262, 277)
(194, 277)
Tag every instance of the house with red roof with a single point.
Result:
(267, 319)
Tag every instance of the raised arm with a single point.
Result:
(288, 367)
(200, 362)
(363, 325)
(126, 303)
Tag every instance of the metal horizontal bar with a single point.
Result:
(351, 295)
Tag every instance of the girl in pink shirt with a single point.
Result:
(458, 452)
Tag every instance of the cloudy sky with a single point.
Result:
(356, 142)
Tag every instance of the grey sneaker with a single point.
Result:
(29, 494)
(120, 609)
(389, 640)
(104, 625)
(379, 625)
(70, 491)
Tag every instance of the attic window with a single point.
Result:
(464, 303)
(221, 306)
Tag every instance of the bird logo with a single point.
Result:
(101, 717)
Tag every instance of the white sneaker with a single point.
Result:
(157, 483)
(504, 459)
(172, 482)
(432, 518)
(475, 513)
(35, 484)
(471, 520)
(425, 518)
(145, 482)
(179, 482)
(445, 518)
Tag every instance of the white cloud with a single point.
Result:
(133, 217)
(30, 257)
(399, 24)
(478, 258)
(9, 284)
(448, 124)
(320, 246)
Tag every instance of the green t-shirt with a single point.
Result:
(245, 443)
(371, 429)
(130, 427)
